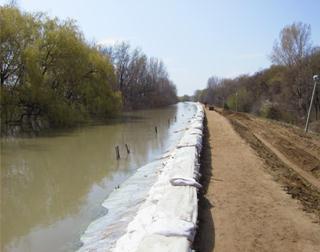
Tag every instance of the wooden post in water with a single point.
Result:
(175, 118)
(117, 152)
(156, 129)
(128, 150)
(168, 122)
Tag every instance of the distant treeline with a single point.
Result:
(50, 74)
(280, 92)
(142, 81)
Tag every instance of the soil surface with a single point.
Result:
(260, 186)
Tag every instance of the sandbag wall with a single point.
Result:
(166, 221)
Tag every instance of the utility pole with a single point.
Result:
(316, 78)
(236, 101)
(221, 98)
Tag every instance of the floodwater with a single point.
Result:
(52, 185)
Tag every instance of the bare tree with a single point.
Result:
(213, 82)
(293, 46)
(143, 82)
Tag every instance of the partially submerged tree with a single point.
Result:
(49, 73)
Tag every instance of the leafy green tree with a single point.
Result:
(49, 72)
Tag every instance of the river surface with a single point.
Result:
(52, 185)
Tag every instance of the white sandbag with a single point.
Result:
(184, 182)
(173, 227)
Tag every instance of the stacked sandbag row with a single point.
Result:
(166, 221)
(121, 206)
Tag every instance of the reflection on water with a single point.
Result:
(52, 186)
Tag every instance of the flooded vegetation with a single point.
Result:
(50, 76)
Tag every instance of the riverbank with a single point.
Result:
(244, 207)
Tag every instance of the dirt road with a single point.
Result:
(246, 205)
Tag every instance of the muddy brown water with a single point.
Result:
(52, 186)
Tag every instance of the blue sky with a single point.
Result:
(195, 38)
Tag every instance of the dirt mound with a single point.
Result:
(292, 157)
